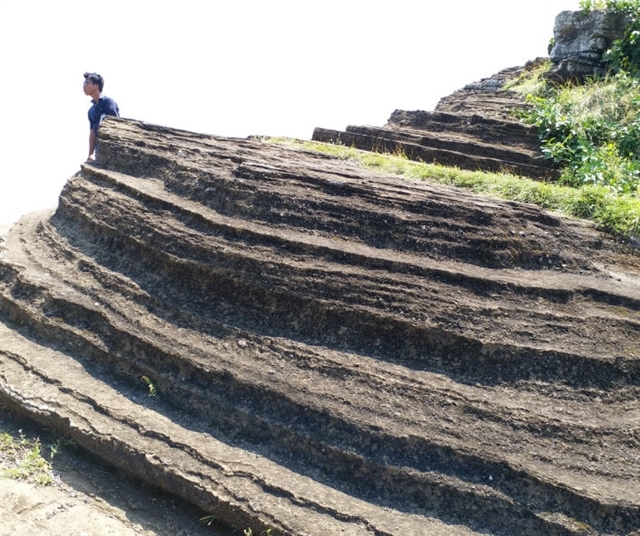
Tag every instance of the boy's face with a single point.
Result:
(89, 87)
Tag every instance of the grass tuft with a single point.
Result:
(21, 459)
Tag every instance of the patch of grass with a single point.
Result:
(21, 459)
(531, 81)
(616, 214)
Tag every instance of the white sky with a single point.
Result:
(236, 68)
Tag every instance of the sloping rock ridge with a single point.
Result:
(474, 128)
(332, 351)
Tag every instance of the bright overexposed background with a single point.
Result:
(237, 68)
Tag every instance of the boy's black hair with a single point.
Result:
(95, 79)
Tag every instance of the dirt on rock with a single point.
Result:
(299, 345)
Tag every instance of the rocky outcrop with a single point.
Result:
(332, 351)
(580, 40)
(473, 128)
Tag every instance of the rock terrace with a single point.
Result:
(334, 351)
(473, 128)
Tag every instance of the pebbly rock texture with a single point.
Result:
(580, 40)
(473, 128)
(333, 352)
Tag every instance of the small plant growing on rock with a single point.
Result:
(153, 391)
(21, 459)
(208, 520)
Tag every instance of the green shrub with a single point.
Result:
(592, 130)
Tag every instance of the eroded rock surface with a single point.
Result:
(334, 351)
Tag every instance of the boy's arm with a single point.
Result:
(92, 145)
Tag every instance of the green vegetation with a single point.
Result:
(591, 129)
(153, 391)
(208, 520)
(531, 81)
(615, 213)
(21, 459)
(249, 532)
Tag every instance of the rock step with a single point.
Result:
(244, 488)
(451, 142)
(343, 203)
(465, 154)
(499, 106)
(474, 128)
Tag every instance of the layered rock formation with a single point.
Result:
(580, 40)
(332, 351)
(474, 128)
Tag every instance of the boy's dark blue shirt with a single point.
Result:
(104, 106)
